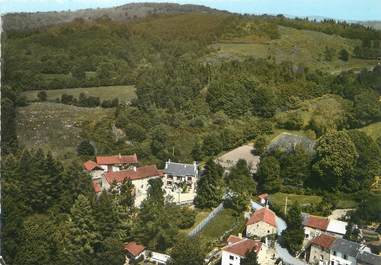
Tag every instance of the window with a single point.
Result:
(268, 231)
(345, 256)
(306, 235)
(332, 262)
(334, 253)
(231, 257)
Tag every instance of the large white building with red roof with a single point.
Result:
(116, 169)
(261, 223)
(237, 248)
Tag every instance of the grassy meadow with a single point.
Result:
(303, 47)
(124, 93)
(55, 127)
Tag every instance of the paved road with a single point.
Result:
(283, 253)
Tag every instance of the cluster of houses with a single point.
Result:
(179, 179)
(323, 241)
(325, 245)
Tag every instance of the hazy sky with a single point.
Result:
(339, 9)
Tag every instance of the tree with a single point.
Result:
(126, 195)
(260, 145)
(38, 244)
(352, 233)
(366, 108)
(240, 179)
(209, 187)
(368, 163)
(335, 158)
(343, 55)
(106, 219)
(187, 252)
(42, 95)
(264, 102)
(294, 234)
(85, 148)
(155, 191)
(212, 144)
(250, 258)
(82, 235)
(269, 174)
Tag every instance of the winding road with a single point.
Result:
(283, 253)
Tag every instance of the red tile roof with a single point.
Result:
(233, 239)
(139, 173)
(323, 240)
(263, 214)
(263, 196)
(134, 248)
(90, 165)
(118, 159)
(316, 222)
(243, 246)
(97, 188)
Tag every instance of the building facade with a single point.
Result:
(236, 249)
(180, 181)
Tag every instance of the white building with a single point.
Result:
(237, 248)
(117, 173)
(344, 252)
(180, 181)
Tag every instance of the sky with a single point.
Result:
(337, 9)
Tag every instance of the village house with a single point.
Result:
(327, 249)
(134, 252)
(117, 162)
(117, 169)
(237, 248)
(263, 199)
(180, 181)
(262, 223)
(319, 250)
(316, 225)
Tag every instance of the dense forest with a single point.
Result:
(186, 108)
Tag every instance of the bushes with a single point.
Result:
(88, 101)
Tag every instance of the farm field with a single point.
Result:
(55, 127)
(124, 93)
(299, 46)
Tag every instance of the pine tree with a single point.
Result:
(269, 174)
(209, 187)
(106, 218)
(82, 235)
(127, 197)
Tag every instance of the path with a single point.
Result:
(283, 253)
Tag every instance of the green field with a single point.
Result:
(279, 199)
(373, 130)
(124, 93)
(55, 127)
(298, 46)
(218, 226)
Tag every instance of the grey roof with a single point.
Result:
(287, 142)
(180, 169)
(369, 258)
(346, 247)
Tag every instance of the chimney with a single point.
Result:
(120, 156)
(134, 168)
(240, 235)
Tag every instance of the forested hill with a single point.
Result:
(26, 21)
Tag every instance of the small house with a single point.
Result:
(237, 248)
(134, 252)
(262, 223)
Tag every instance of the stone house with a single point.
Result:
(319, 250)
(262, 223)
